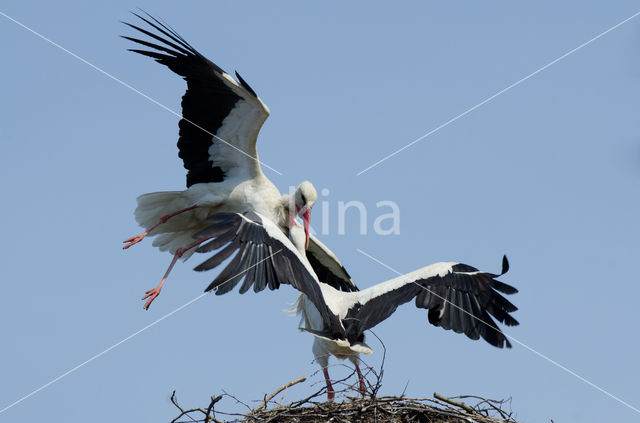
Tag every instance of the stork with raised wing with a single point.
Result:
(221, 118)
(457, 296)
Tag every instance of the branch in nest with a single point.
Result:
(495, 405)
(459, 404)
(276, 392)
(207, 414)
(375, 388)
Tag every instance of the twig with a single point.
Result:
(183, 412)
(379, 376)
(208, 416)
(460, 404)
(404, 391)
(282, 388)
(237, 400)
(496, 405)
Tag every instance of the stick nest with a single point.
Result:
(392, 409)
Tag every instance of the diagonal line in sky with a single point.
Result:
(499, 93)
(539, 354)
(139, 331)
(124, 84)
(68, 372)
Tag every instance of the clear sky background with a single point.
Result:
(547, 173)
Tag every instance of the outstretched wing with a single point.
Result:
(459, 297)
(327, 266)
(264, 257)
(221, 118)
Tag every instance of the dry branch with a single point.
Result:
(459, 404)
(276, 392)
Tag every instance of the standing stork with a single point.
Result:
(221, 118)
(457, 296)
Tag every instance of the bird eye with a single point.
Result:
(304, 200)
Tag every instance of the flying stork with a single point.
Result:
(457, 296)
(221, 118)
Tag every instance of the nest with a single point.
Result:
(393, 409)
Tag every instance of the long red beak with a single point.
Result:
(306, 217)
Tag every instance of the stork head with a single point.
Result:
(304, 198)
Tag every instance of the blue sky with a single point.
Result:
(546, 173)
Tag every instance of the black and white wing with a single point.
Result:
(264, 257)
(221, 118)
(459, 297)
(327, 266)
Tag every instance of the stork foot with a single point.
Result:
(133, 240)
(151, 295)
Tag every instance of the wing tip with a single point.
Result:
(505, 265)
(245, 85)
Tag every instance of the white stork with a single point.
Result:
(458, 297)
(220, 122)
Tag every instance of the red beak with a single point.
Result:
(306, 217)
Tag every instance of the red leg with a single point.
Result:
(363, 388)
(135, 239)
(153, 293)
(331, 394)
